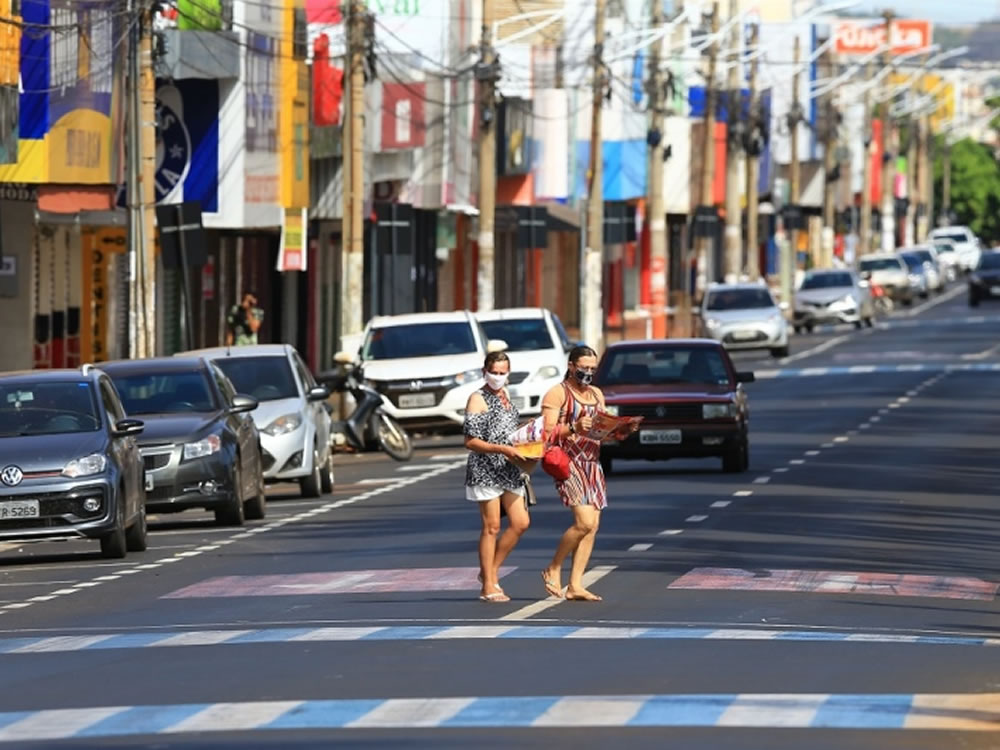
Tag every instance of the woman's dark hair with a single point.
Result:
(494, 357)
(579, 352)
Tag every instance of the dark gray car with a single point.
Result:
(200, 447)
(69, 462)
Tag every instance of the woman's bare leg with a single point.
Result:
(489, 511)
(518, 523)
(583, 520)
(581, 556)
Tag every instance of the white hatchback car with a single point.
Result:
(294, 427)
(425, 365)
(967, 245)
(538, 347)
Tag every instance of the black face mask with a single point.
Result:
(583, 377)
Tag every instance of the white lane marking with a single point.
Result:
(841, 439)
(775, 710)
(671, 532)
(780, 470)
(56, 723)
(377, 480)
(589, 579)
(411, 712)
(35, 583)
(201, 638)
(875, 419)
(721, 504)
(473, 631)
(811, 453)
(883, 411)
(743, 493)
(695, 519)
(643, 547)
(894, 406)
(613, 712)
(414, 467)
(336, 634)
(449, 456)
(949, 295)
(233, 716)
(762, 480)
(827, 445)
(825, 346)
(865, 426)
(903, 400)
(61, 643)
(797, 461)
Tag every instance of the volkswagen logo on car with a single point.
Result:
(11, 476)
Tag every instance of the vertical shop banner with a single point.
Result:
(292, 251)
(262, 77)
(100, 247)
(293, 113)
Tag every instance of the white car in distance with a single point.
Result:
(425, 365)
(967, 246)
(538, 347)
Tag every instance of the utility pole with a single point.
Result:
(141, 161)
(708, 154)
(656, 213)
(888, 211)
(924, 194)
(946, 181)
(865, 222)
(830, 145)
(734, 150)
(486, 76)
(354, 177)
(789, 249)
(592, 307)
(753, 164)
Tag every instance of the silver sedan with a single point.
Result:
(832, 297)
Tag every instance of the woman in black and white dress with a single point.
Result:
(491, 480)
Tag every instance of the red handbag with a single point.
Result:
(555, 461)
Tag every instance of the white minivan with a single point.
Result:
(425, 365)
(967, 246)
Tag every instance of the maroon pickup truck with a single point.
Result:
(689, 394)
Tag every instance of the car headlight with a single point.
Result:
(206, 447)
(718, 411)
(611, 409)
(713, 323)
(469, 376)
(545, 373)
(283, 425)
(87, 466)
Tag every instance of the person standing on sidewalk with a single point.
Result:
(244, 321)
(491, 480)
(569, 410)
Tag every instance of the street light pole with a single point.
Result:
(753, 164)
(486, 77)
(734, 150)
(888, 213)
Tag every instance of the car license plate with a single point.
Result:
(149, 482)
(416, 400)
(744, 335)
(519, 401)
(19, 509)
(995, 291)
(660, 437)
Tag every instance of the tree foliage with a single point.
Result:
(975, 187)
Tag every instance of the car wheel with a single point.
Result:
(113, 545)
(737, 459)
(135, 537)
(232, 513)
(326, 478)
(780, 351)
(607, 466)
(255, 508)
(311, 486)
(858, 324)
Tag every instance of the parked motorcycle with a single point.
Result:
(368, 420)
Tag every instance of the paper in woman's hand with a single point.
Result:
(529, 440)
(606, 426)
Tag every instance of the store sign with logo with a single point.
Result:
(173, 149)
(856, 38)
(292, 251)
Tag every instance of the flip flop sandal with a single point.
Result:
(550, 586)
(495, 585)
(495, 598)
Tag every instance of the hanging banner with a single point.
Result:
(292, 252)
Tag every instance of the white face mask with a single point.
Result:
(496, 382)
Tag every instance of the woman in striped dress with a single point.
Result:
(569, 409)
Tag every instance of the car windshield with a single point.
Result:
(944, 247)
(521, 334)
(827, 280)
(419, 340)
(989, 262)
(172, 392)
(265, 378)
(664, 365)
(913, 261)
(739, 299)
(953, 236)
(47, 409)
(880, 264)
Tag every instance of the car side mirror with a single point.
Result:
(128, 427)
(318, 393)
(242, 404)
(745, 377)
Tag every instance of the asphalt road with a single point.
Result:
(841, 594)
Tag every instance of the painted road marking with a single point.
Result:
(885, 711)
(341, 634)
(641, 547)
(721, 504)
(695, 519)
(589, 579)
(671, 532)
(337, 582)
(836, 582)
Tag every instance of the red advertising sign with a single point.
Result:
(856, 38)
